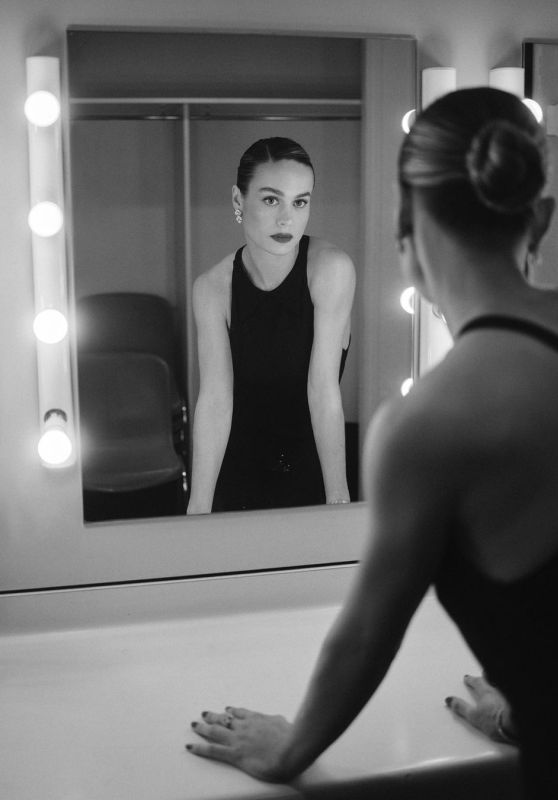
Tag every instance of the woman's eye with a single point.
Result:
(270, 201)
(301, 203)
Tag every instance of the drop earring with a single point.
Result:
(238, 215)
(532, 261)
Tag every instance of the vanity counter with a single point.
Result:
(103, 711)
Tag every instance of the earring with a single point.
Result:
(238, 215)
(533, 260)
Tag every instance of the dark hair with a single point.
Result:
(478, 159)
(264, 151)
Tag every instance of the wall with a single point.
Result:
(472, 36)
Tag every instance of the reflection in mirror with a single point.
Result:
(541, 84)
(159, 121)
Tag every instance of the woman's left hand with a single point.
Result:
(253, 742)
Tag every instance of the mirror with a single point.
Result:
(540, 60)
(158, 123)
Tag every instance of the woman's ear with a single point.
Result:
(411, 266)
(542, 215)
(236, 198)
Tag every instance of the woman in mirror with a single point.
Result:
(273, 325)
(461, 474)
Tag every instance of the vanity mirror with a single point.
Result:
(540, 60)
(158, 121)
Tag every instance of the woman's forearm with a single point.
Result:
(349, 669)
(212, 425)
(328, 425)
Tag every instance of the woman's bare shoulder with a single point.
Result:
(328, 263)
(323, 252)
(433, 422)
(214, 285)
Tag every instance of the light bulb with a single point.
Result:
(407, 300)
(406, 386)
(534, 108)
(42, 109)
(55, 447)
(45, 218)
(50, 326)
(408, 120)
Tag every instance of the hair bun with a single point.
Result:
(505, 167)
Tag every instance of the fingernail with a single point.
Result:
(204, 714)
(188, 746)
(194, 724)
(448, 701)
(228, 709)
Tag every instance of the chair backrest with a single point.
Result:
(127, 321)
(126, 421)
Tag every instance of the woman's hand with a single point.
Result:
(490, 714)
(253, 742)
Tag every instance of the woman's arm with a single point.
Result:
(332, 289)
(409, 509)
(213, 413)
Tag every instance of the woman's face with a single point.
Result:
(276, 207)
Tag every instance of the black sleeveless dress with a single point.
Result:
(271, 460)
(512, 628)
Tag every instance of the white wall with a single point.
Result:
(40, 512)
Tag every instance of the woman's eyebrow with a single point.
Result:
(280, 193)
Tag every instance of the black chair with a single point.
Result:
(126, 433)
(135, 322)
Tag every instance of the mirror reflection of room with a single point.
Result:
(151, 195)
(274, 324)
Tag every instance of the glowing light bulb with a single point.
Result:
(46, 218)
(50, 326)
(55, 447)
(407, 300)
(534, 108)
(406, 386)
(42, 109)
(408, 120)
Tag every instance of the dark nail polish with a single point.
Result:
(448, 700)
(188, 746)
(204, 714)
(194, 724)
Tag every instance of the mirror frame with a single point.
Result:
(160, 549)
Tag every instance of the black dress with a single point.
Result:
(271, 460)
(512, 628)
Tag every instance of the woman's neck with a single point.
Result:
(267, 270)
(469, 281)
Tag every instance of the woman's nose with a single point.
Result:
(284, 217)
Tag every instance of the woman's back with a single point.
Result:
(498, 578)
(496, 398)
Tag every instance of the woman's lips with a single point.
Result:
(282, 237)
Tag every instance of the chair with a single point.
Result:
(127, 437)
(135, 322)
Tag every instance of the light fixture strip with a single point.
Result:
(46, 221)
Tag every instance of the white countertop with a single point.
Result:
(105, 712)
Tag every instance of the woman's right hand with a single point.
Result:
(490, 713)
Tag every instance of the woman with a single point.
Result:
(273, 324)
(462, 473)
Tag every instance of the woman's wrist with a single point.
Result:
(505, 728)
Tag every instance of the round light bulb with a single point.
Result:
(407, 300)
(406, 386)
(534, 108)
(42, 109)
(50, 326)
(55, 447)
(408, 120)
(45, 218)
